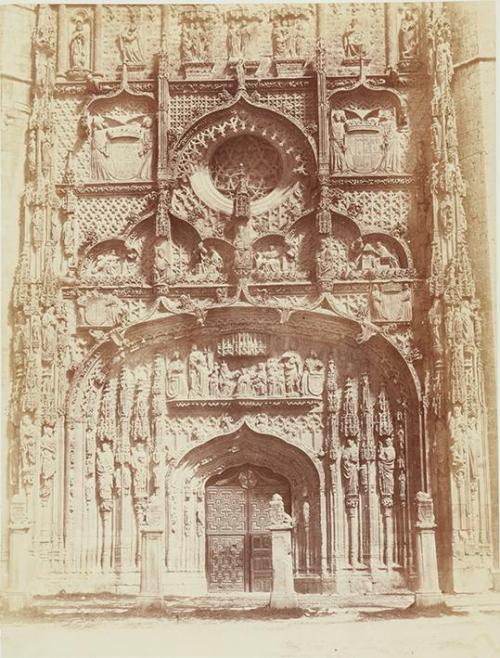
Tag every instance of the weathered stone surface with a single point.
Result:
(244, 269)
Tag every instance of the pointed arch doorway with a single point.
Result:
(238, 550)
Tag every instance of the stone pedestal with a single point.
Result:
(289, 68)
(151, 556)
(198, 70)
(428, 592)
(17, 596)
(283, 593)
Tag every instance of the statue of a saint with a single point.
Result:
(176, 378)
(338, 147)
(78, 47)
(145, 149)
(352, 42)
(408, 36)
(130, 46)
(105, 468)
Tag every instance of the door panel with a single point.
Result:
(237, 521)
(226, 557)
(260, 563)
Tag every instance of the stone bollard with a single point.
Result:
(151, 561)
(428, 592)
(283, 593)
(17, 596)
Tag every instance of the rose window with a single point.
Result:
(261, 162)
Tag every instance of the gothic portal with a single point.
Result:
(244, 270)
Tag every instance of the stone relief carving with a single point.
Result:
(252, 240)
(365, 142)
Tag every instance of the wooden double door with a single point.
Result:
(237, 519)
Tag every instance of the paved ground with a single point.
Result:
(378, 627)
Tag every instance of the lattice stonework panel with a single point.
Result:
(105, 217)
(67, 112)
(296, 104)
(378, 209)
(184, 108)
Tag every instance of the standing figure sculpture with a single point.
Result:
(352, 41)
(408, 36)
(130, 46)
(338, 147)
(77, 47)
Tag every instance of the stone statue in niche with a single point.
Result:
(353, 43)
(386, 458)
(238, 38)
(78, 48)
(105, 469)
(139, 466)
(292, 373)
(194, 46)
(47, 460)
(391, 305)
(199, 370)
(289, 38)
(338, 144)
(161, 261)
(130, 46)
(350, 467)
(49, 334)
(176, 378)
(408, 36)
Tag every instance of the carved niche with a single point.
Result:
(290, 32)
(368, 133)
(118, 132)
(80, 45)
(196, 42)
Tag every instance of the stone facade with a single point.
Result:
(244, 272)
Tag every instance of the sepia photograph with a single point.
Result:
(249, 330)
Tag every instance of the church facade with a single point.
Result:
(245, 269)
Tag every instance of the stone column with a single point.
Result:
(151, 558)
(283, 593)
(428, 592)
(17, 596)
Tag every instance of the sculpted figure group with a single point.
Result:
(200, 376)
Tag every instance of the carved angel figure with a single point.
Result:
(130, 46)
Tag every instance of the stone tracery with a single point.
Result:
(188, 302)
